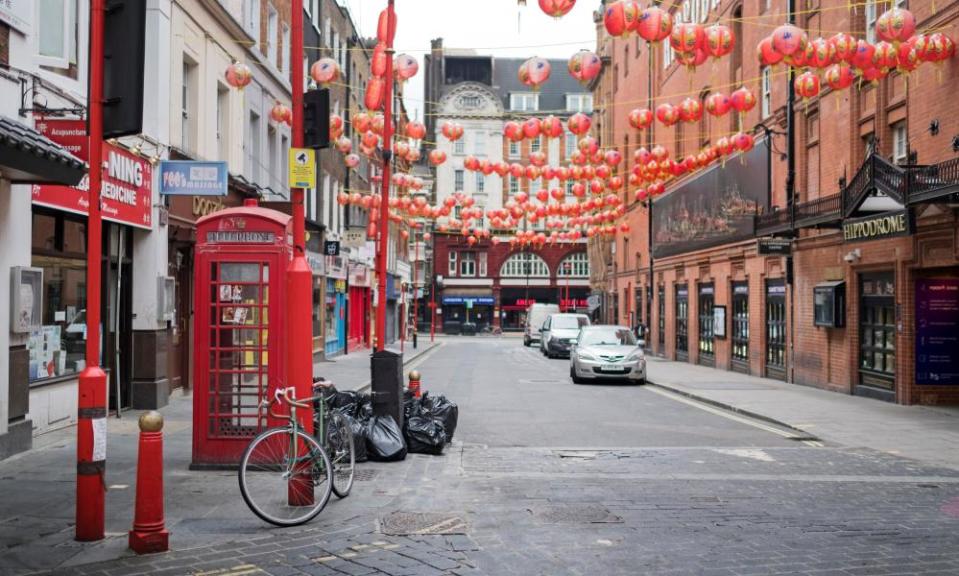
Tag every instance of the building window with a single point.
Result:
(524, 101)
(253, 148)
(458, 177)
(468, 264)
(57, 37)
(767, 94)
(273, 158)
(452, 266)
(479, 145)
(682, 319)
(706, 305)
(900, 143)
(574, 266)
(667, 55)
(459, 147)
(740, 318)
(480, 183)
(272, 31)
(579, 103)
(188, 105)
(536, 144)
(483, 262)
(661, 321)
(251, 19)
(222, 122)
(59, 248)
(514, 151)
(871, 13)
(513, 185)
(524, 264)
(285, 51)
(570, 145)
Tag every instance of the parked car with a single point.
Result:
(605, 352)
(536, 315)
(560, 332)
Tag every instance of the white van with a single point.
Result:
(536, 316)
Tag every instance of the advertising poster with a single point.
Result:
(937, 331)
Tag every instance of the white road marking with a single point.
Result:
(751, 453)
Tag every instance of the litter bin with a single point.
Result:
(468, 329)
(387, 387)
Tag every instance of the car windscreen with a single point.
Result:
(568, 322)
(608, 337)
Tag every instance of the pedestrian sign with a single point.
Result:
(302, 168)
(469, 304)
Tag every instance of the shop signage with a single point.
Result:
(885, 225)
(203, 206)
(302, 168)
(331, 248)
(775, 246)
(126, 193)
(937, 331)
(706, 289)
(776, 289)
(574, 303)
(682, 293)
(192, 178)
(468, 301)
(741, 289)
(239, 237)
(354, 238)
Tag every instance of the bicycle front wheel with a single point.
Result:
(285, 480)
(340, 445)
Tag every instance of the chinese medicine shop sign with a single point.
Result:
(190, 178)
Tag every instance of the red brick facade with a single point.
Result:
(832, 138)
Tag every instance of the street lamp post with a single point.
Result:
(384, 224)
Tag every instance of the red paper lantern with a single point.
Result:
(437, 157)
(667, 114)
(885, 56)
(513, 131)
(415, 130)
(375, 93)
(584, 66)
(578, 124)
(820, 53)
(719, 40)
(537, 159)
(551, 127)
(807, 85)
(351, 160)
(789, 40)
(471, 163)
(717, 104)
(501, 168)
(336, 126)
(742, 100)
(620, 17)
(642, 156)
(452, 131)
(531, 128)
(378, 60)
(405, 67)
(325, 71)
(874, 74)
(655, 24)
(613, 158)
(908, 55)
(862, 58)
(692, 59)
(640, 118)
(556, 8)
(280, 112)
(588, 145)
(238, 75)
(839, 77)
(844, 46)
(532, 172)
(659, 153)
(386, 26)
(896, 25)
(767, 55)
(534, 72)
(690, 110)
(344, 145)
(686, 37)
(937, 48)
(377, 124)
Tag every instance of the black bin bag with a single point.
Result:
(424, 434)
(447, 412)
(384, 441)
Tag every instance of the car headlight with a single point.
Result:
(585, 356)
(635, 357)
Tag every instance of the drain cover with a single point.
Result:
(364, 475)
(579, 513)
(412, 523)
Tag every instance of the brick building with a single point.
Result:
(852, 284)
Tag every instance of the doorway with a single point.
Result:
(877, 336)
(181, 269)
(776, 329)
(682, 322)
(117, 294)
(740, 335)
(707, 342)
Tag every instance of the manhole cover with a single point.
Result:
(579, 513)
(413, 523)
(364, 475)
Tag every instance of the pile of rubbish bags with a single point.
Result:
(428, 425)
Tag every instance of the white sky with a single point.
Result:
(489, 26)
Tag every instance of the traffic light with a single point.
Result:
(124, 46)
(316, 118)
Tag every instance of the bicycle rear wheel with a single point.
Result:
(342, 455)
(285, 481)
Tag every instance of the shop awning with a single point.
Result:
(28, 157)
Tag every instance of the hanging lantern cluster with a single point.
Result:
(691, 110)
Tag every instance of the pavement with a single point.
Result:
(929, 434)
(352, 371)
(543, 477)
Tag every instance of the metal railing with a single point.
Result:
(776, 222)
(933, 182)
(818, 212)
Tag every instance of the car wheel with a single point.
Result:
(641, 382)
(576, 379)
(525, 341)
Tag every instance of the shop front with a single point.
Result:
(58, 247)
(467, 313)
(358, 307)
(706, 303)
(739, 337)
(682, 322)
(515, 301)
(776, 329)
(334, 313)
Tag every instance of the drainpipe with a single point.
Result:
(790, 192)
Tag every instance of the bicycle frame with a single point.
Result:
(294, 424)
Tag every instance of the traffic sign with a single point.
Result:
(302, 168)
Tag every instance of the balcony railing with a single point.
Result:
(934, 182)
(819, 212)
(771, 223)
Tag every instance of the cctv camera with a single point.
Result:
(849, 257)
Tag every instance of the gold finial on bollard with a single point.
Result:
(151, 421)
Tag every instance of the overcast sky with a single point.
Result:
(489, 26)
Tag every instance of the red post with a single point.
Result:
(433, 314)
(384, 225)
(416, 299)
(149, 534)
(92, 403)
(299, 277)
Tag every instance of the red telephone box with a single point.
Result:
(242, 255)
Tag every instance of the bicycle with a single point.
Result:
(285, 474)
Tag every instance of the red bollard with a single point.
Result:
(149, 535)
(415, 384)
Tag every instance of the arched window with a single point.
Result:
(524, 264)
(574, 266)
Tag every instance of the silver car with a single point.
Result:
(607, 352)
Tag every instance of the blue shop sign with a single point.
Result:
(392, 292)
(461, 300)
(193, 178)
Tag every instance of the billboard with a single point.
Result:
(716, 207)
